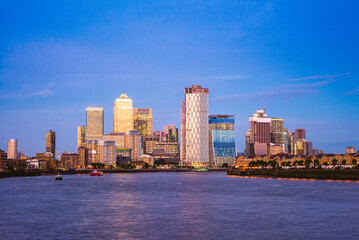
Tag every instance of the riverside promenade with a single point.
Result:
(30, 173)
(325, 174)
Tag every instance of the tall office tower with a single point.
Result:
(171, 133)
(260, 132)
(277, 131)
(12, 149)
(299, 134)
(291, 143)
(286, 140)
(133, 141)
(194, 126)
(143, 121)
(94, 122)
(51, 142)
(106, 152)
(81, 135)
(3, 159)
(222, 147)
(350, 149)
(123, 114)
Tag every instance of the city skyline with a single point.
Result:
(49, 75)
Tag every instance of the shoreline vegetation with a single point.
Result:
(312, 174)
(37, 172)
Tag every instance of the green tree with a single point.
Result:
(273, 163)
(316, 162)
(301, 162)
(334, 162)
(344, 162)
(308, 162)
(225, 165)
(289, 163)
(354, 161)
(252, 164)
(325, 163)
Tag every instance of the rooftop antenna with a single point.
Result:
(265, 110)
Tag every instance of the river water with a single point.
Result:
(177, 206)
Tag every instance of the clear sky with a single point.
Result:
(298, 58)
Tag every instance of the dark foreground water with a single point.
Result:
(177, 206)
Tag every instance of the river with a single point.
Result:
(177, 206)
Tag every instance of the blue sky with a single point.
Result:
(298, 58)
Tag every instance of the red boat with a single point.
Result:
(96, 173)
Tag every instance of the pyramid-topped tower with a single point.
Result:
(123, 114)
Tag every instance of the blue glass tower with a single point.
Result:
(222, 147)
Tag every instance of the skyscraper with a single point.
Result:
(51, 142)
(94, 122)
(12, 149)
(259, 133)
(277, 131)
(123, 114)
(194, 127)
(299, 134)
(300, 142)
(143, 121)
(222, 147)
(81, 135)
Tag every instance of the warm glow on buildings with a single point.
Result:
(123, 114)
(143, 121)
(94, 122)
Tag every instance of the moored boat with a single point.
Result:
(58, 177)
(96, 173)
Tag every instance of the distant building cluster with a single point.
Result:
(268, 136)
(203, 141)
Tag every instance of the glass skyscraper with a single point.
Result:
(222, 147)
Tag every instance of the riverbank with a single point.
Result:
(106, 171)
(325, 174)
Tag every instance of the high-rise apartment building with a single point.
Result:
(143, 121)
(106, 152)
(94, 122)
(171, 133)
(12, 149)
(300, 142)
(291, 143)
(123, 114)
(259, 133)
(194, 127)
(133, 141)
(286, 140)
(222, 147)
(51, 142)
(81, 135)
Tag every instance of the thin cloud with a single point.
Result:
(354, 92)
(18, 95)
(318, 77)
(286, 91)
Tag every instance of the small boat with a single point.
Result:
(96, 173)
(58, 177)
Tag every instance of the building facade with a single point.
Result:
(123, 114)
(350, 149)
(106, 152)
(143, 121)
(259, 133)
(277, 131)
(81, 135)
(3, 160)
(51, 142)
(222, 147)
(171, 133)
(12, 152)
(194, 127)
(94, 122)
